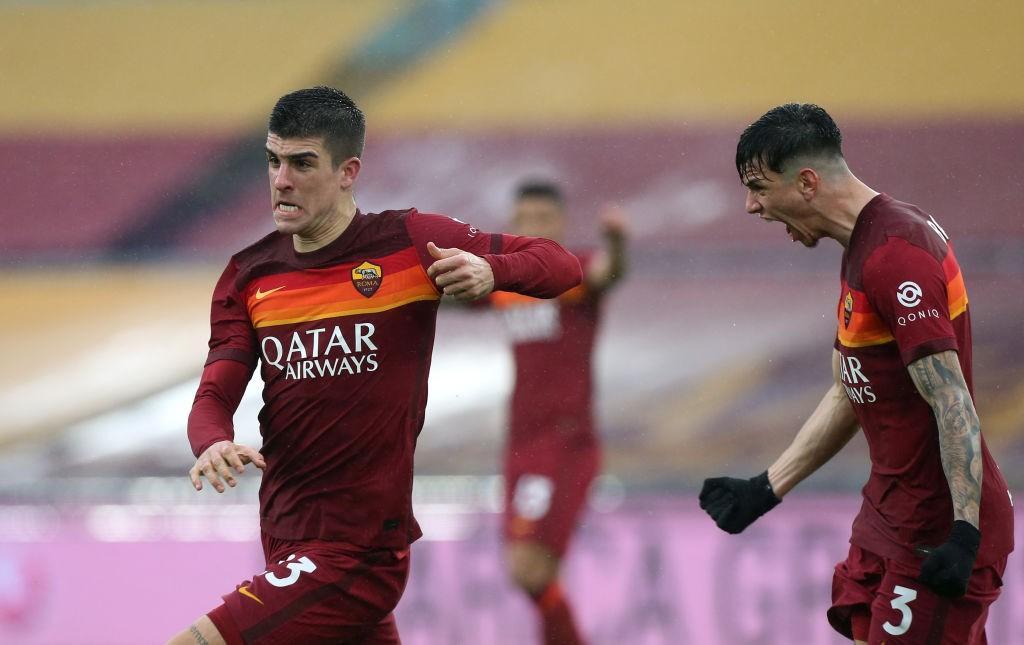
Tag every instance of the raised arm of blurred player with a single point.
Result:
(735, 503)
(229, 366)
(468, 264)
(609, 264)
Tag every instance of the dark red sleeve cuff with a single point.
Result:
(242, 356)
(927, 348)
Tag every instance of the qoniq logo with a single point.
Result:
(909, 294)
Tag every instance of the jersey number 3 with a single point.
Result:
(295, 569)
(901, 603)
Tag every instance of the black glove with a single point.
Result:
(735, 503)
(947, 568)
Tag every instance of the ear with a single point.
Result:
(808, 182)
(349, 171)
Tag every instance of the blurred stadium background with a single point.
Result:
(130, 152)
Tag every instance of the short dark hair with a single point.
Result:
(542, 188)
(784, 133)
(323, 112)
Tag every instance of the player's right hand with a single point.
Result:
(734, 504)
(614, 221)
(217, 461)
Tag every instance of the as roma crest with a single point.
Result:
(366, 278)
(847, 308)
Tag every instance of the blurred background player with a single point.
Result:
(338, 307)
(930, 544)
(552, 453)
(128, 134)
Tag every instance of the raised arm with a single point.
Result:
(734, 504)
(610, 262)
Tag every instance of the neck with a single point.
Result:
(843, 208)
(328, 229)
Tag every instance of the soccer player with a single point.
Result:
(930, 543)
(338, 307)
(552, 452)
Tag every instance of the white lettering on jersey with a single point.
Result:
(308, 358)
(855, 382)
(903, 321)
(938, 229)
(536, 321)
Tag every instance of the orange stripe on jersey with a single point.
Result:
(332, 292)
(864, 328)
(506, 299)
(956, 291)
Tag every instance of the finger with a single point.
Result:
(445, 265)
(710, 485)
(719, 508)
(223, 470)
(234, 459)
(211, 476)
(451, 277)
(253, 456)
(929, 569)
(712, 497)
(475, 293)
(726, 521)
(193, 474)
(461, 291)
(439, 253)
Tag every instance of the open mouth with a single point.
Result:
(286, 208)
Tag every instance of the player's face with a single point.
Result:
(776, 198)
(305, 187)
(539, 217)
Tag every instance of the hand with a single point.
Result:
(460, 274)
(734, 504)
(614, 221)
(947, 568)
(215, 463)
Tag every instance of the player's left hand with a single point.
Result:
(460, 274)
(947, 568)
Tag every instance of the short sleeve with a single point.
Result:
(232, 335)
(907, 287)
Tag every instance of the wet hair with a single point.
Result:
(541, 188)
(322, 112)
(784, 133)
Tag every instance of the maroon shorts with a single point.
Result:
(316, 592)
(883, 598)
(544, 497)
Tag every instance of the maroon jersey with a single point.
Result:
(903, 298)
(553, 341)
(344, 337)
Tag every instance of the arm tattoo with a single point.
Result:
(200, 639)
(939, 380)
